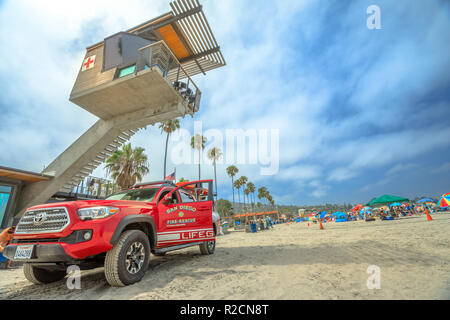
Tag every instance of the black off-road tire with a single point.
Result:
(208, 247)
(42, 276)
(116, 271)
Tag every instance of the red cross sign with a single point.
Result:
(88, 63)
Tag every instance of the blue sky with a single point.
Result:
(361, 112)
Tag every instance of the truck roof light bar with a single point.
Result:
(139, 185)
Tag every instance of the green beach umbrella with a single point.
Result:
(386, 199)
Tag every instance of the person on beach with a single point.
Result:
(268, 223)
(5, 238)
(261, 224)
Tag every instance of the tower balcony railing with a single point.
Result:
(158, 56)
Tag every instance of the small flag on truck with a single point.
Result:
(170, 177)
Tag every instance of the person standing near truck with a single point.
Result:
(5, 238)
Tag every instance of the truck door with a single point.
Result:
(165, 209)
(190, 220)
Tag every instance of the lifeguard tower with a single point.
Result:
(132, 79)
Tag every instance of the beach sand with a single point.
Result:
(292, 261)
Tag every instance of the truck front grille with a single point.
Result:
(45, 220)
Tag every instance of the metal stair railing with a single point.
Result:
(158, 56)
(89, 167)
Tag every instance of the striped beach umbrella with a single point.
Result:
(444, 201)
(357, 207)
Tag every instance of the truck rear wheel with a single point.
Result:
(42, 276)
(127, 262)
(208, 247)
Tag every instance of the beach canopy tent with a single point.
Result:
(340, 217)
(444, 201)
(423, 200)
(386, 199)
(357, 207)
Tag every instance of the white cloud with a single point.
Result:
(401, 167)
(319, 190)
(383, 149)
(341, 174)
(443, 168)
(371, 186)
(300, 172)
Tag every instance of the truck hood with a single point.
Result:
(92, 203)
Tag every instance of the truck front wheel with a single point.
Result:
(127, 262)
(42, 276)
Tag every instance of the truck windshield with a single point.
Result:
(135, 195)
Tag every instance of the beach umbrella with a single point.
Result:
(387, 199)
(425, 200)
(322, 214)
(364, 211)
(395, 204)
(357, 207)
(444, 201)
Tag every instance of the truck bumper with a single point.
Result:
(41, 253)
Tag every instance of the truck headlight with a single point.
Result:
(96, 212)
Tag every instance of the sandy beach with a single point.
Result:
(292, 261)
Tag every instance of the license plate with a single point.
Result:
(23, 252)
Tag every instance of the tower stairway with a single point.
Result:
(94, 147)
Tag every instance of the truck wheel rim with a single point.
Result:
(211, 245)
(135, 257)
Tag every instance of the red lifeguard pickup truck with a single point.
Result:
(118, 233)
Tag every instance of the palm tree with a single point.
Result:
(262, 193)
(237, 185)
(214, 154)
(251, 189)
(242, 181)
(268, 198)
(168, 127)
(198, 143)
(271, 201)
(232, 171)
(246, 193)
(127, 166)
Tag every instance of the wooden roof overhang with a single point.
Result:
(187, 33)
(22, 175)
